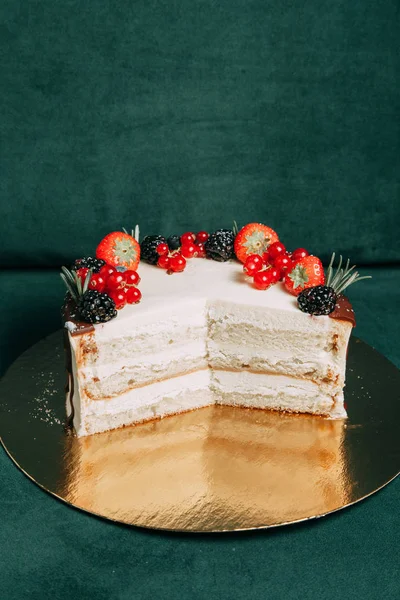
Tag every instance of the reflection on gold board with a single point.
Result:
(214, 469)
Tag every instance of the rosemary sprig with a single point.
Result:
(74, 284)
(135, 233)
(343, 277)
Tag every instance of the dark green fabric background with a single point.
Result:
(193, 113)
(189, 114)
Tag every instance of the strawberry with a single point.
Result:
(307, 272)
(253, 238)
(120, 250)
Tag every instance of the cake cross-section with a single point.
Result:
(200, 338)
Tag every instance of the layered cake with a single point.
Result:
(224, 328)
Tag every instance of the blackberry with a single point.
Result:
(174, 242)
(219, 245)
(88, 262)
(318, 300)
(321, 299)
(148, 248)
(96, 307)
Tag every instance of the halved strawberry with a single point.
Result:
(253, 238)
(307, 272)
(120, 250)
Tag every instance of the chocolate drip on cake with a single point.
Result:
(343, 310)
(69, 384)
(75, 327)
(71, 321)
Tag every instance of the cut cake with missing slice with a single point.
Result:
(204, 337)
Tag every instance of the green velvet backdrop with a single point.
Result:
(188, 114)
(193, 113)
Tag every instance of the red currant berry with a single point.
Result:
(283, 263)
(262, 279)
(275, 250)
(188, 250)
(162, 249)
(275, 274)
(202, 237)
(106, 271)
(82, 273)
(163, 262)
(265, 258)
(201, 253)
(119, 298)
(116, 281)
(298, 254)
(188, 238)
(256, 258)
(177, 263)
(253, 263)
(131, 277)
(133, 295)
(97, 282)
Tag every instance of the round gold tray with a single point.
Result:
(214, 469)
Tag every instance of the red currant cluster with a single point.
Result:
(192, 245)
(120, 286)
(272, 266)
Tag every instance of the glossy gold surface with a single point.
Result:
(214, 469)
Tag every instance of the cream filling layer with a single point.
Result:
(240, 383)
(272, 391)
(152, 394)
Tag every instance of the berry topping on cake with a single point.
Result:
(189, 249)
(98, 296)
(274, 251)
(119, 249)
(97, 282)
(253, 264)
(318, 300)
(116, 281)
(133, 295)
(131, 277)
(283, 263)
(177, 263)
(200, 250)
(162, 249)
(219, 245)
(174, 242)
(254, 238)
(188, 237)
(88, 262)
(307, 272)
(148, 248)
(96, 307)
(119, 298)
(107, 270)
(202, 237)
(163, 262)
(321, 299)
(275, 274)
(298, 254)
(263, 279)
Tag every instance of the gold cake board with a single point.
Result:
(213, 469)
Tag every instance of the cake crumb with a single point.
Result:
(42, 410)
